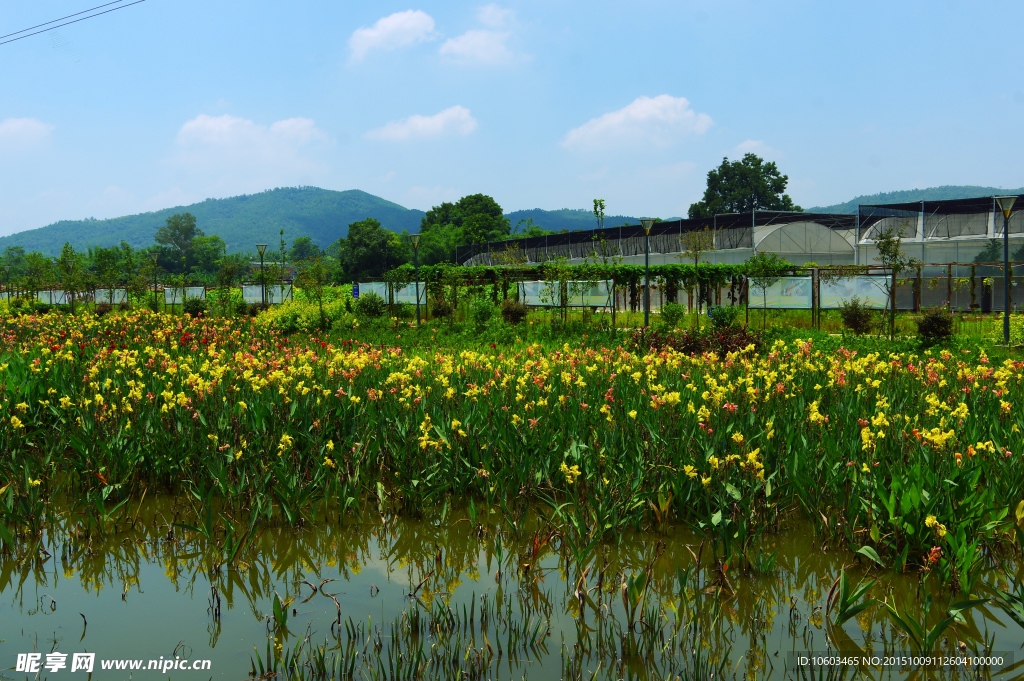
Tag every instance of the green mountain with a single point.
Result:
(569, 219)
(912, 195)
(242, 221)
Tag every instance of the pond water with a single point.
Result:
(454, 598)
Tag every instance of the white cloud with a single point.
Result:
(396, 30)
(23, 132)
(456, 120)
(245, 135)
(478, 46)
(657, 120)
(494, 16)
(237, 154)
(755, 147)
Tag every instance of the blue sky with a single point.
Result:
(540, 104)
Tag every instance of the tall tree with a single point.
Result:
(303, 248)
(178, 233)
(475, 218)
(206, 252)
(743, 186)
(369, 250)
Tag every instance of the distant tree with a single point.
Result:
(303, 248)
(14, 257)
(71, 272)
(205, 253)
(764, 269)
(993, 252)
(889, 243)
(527, 228)
(178, 233)
(106, 262)
(473, 219)
(229, 271)
(39, 272)
(313, 279)
(369, 250)
(743, 186)
(697, 242)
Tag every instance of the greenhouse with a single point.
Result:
(958, 245)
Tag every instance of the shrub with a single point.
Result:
(194, 306)
(672, 314)
(304, 315)
(856, 316)
(512, 311)
(370, 305)
(935, 325)
(722, 317)
(101, 309)
(440, 307)
(405, 311)
(696, 341)
(483, 310)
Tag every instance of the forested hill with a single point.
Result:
(242, 221)
(568, 219)
(911, 195)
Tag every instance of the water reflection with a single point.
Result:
(447, 597)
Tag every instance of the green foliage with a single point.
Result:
(302, 315)
(512, 311)
(723, 316)
(194, 306)
(476, 218)
(177, 234)
(743, 186)
(205, 253)
(672, 314)
(369, 250)
(764, 269)
(303, 248)
(856, 316)
(371, 305)
(889, 243)
(483, 310)
(935, 326)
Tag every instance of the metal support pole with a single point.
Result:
(646, 280)
(263, 282)
(416, 259)
(1006, 273)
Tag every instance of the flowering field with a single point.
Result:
(917, 459)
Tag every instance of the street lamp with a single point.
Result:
(156, 305)
(263, 279)
(416, 259)
(1005, 203)
(647, 222)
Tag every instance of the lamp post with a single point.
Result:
(156, 305)
(1005, 204)
(647, 222)
(416, 259)
(263, 278)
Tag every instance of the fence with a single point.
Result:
(253, 294)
